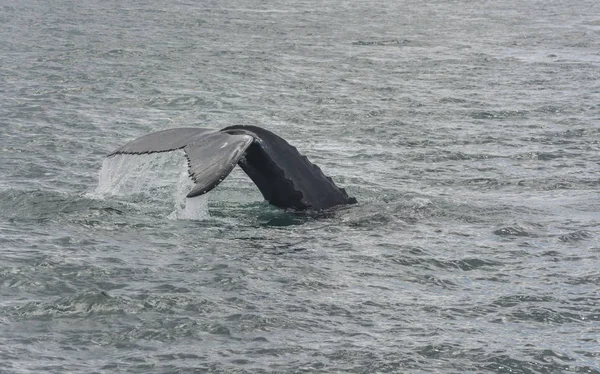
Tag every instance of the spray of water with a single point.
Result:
(191, 209)
(155, 177)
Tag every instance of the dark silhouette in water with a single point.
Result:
(286, 178)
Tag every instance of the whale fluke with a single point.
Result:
(286, 178)
(161, 141)
(212, 157)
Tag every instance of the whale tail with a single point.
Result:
(286, 178)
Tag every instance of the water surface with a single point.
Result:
(468, 131)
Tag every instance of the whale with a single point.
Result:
(285, 177)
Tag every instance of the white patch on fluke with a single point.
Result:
(224, 145)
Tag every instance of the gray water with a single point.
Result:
(469, 132)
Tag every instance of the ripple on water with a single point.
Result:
(515, 231)
(576, 236)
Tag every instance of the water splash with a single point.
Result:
(155, 178)
(195, 208)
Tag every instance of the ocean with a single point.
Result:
(468, 131)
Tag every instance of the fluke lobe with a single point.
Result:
(286, 178)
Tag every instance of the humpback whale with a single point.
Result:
(286, 178)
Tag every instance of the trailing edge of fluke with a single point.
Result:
(286, 178)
